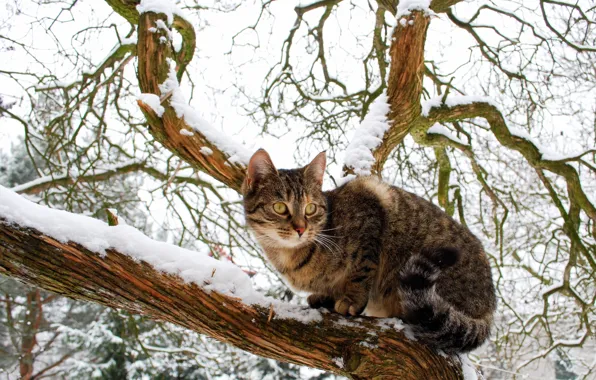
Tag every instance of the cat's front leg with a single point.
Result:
(354, 300)
(318, 300)
(357, 287)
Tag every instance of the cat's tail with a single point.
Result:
(433, 320)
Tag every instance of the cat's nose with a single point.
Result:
(300, 230)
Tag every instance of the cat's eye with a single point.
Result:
(280, 208)
(310, 209)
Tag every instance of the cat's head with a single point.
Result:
(285, 208)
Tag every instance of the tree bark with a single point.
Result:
(153, 71)
(29, 337)
(363, 350)
(404, 87)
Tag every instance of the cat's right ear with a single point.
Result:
(259, 166)
(316, 169)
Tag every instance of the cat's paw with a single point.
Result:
(347, 306)
(316, 301)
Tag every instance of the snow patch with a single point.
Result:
(206, 151)
(186, 132)
(153, 102)
(339, 362)
(368, 345)
(344, 179)
(132, 40)
(391, 323)
(397, 325)
(167, 7)
(236, 152)
(440, 129)
(409, 333)
(162, 26)
(347, 323)
(368, 136)
(453, 101)
(468, 369)
(54, 84)
(406, 7)
(212, 275)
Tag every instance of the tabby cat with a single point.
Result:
(370, 247)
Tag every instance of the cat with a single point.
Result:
(370, 247)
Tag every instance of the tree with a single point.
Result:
(470, 154)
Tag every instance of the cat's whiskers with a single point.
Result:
(323, 245)
(334, 247)
(331, 229)
(328, 244)
(330, 240)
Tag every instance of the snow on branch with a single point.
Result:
(179, 127)
(439, 129)
(171, 93)
(452, 101)
(118, 266)
(152, 101)
(95, 235)
(406, 7)
(166, 7)
(235, 151)
(367, 137)
(462, 108)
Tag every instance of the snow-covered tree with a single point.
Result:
(491, 116)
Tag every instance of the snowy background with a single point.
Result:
(258, 77)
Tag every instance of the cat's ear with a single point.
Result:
(259, 166)
(316, 168)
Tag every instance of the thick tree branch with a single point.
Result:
(126, 9)
(359, 349)
(153, 71)
(404, 87)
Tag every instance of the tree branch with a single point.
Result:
(531, 152)
(43, 183)
(404, 87)
(438, 6)
(360, 348)
(153, 71)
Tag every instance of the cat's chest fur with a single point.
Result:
(308, 268)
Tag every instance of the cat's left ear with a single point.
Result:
(259, 166)
(316, 168)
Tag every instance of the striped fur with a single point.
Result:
(373, 248)
(433, 320)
